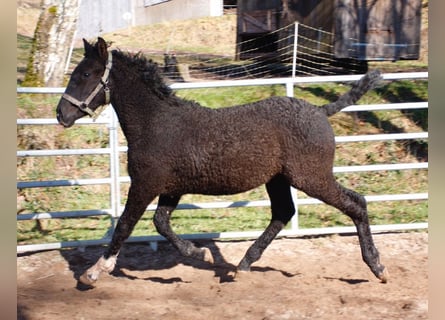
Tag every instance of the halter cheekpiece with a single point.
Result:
(103, 83)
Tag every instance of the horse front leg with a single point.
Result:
(161, 220)
(137, 202)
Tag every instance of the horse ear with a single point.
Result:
(102, 49)
(87, 46)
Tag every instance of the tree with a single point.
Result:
(53, 36)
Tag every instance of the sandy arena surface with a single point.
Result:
(297, 278)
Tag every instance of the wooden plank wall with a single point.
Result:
(361, 29)
(377, 29)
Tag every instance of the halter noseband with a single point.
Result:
(83, 105)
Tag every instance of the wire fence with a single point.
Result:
(299, 49)
(115, 179)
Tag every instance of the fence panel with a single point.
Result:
(109, 119)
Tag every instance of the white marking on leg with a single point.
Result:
(208, 257)
(102, 265)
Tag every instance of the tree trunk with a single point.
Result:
(52, 41)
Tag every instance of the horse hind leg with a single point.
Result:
(359, 215)
(353, 205)
(161, 220)
(282, 207)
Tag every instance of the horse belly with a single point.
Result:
(228, 175)
(224, 185)
(241, 155)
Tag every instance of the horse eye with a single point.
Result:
(86, 74)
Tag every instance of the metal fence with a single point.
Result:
(114, 180)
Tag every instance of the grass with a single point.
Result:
(225, 97)
(207, 36)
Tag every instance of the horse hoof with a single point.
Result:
(88, 279)
(232, 274)
(384, 276)
(245, 276)
(208, 257)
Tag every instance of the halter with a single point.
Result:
(103, 83)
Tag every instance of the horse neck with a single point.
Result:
(133, 103)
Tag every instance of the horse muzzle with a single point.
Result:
(65, 121)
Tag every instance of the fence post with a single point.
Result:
(290, 93)
(294, 58)
(114, 168)
(289, 89)
(290, 85)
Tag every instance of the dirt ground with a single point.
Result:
(297, 278)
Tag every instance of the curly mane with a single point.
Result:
(148, 70)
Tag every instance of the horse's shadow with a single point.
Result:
(140, 257)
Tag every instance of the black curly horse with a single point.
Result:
(177, 147)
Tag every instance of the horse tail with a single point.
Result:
(366, 83)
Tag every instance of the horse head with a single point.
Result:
(87, 89)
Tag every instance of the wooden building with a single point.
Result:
(97, 17)
(363, 30)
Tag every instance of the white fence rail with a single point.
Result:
(109, 119)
